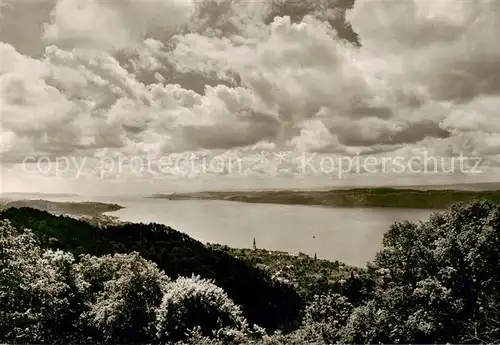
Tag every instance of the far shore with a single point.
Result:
(86, 209)
(358, 197)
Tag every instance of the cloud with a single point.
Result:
(482, 114)
(114, 25)
(169, 76)
(332, 12)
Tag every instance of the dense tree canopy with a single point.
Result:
(48, 297)
(122, 293)
(433, 282)
(437, 281)
(195, 303)
(264, 301)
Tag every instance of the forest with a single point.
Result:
(438, 199)
(64, 280)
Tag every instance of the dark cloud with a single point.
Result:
(463, 80)
(332, 11)
(22, 24)
(360, 110)
(353, 134)
(251, 130)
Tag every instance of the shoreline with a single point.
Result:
(71, 208)
(436, 199)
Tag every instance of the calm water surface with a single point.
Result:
(350, 235)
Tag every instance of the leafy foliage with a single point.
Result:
(433, 282)
(325, 318)
(38, 300)
(48, 297)
(122, 293)
(436, 281)
(197, 304)
(264, 301)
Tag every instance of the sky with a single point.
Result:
(97, 95)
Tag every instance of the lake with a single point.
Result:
(350, 235)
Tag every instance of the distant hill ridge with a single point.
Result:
(85, 208)
(359, 197)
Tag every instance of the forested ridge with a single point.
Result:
(88, 208)
(66, 281)
(265, 300)
(438, 199)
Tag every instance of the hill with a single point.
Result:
(265, 301)
(361, 197)
(87, 208)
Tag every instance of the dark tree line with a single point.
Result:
(66, 281)
(265, 301)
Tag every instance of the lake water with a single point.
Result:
(350, 235)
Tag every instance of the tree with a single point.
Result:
(324, 318)
(38, 301)
(197, 304)
(264, 301)
(436, 281)
(122, 293)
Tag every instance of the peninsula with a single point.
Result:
(87, 208)
(359, 197)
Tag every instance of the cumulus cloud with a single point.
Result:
(113, 24)
(128, 77)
